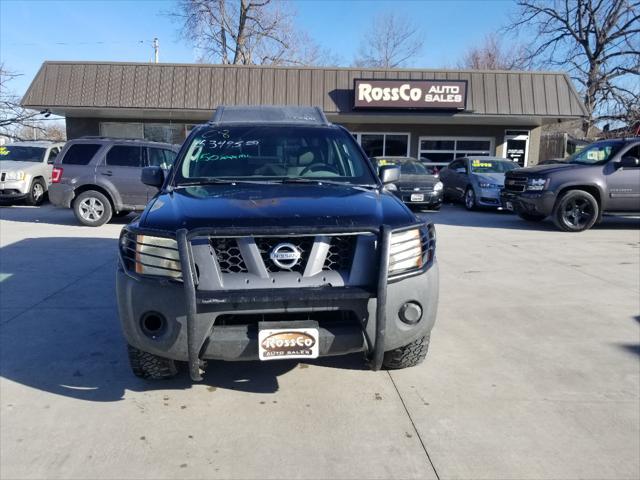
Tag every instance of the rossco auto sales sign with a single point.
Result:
(424, 94)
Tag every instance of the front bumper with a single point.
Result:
(14, 189)
(193, 332)
(533, 203)
(488, 197)
(61, 195)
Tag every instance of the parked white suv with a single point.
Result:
(25, 170)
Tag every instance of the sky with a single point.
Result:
(32, 31)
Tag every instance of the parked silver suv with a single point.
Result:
(25, 170)
(99, 177)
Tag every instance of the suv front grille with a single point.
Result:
(515, 184)
(339, 255)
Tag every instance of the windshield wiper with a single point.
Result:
(221, 181)
(326, 182)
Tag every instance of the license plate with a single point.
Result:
(288, 343)
(508, 205)
(417, 197)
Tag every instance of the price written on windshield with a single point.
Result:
(232, 143)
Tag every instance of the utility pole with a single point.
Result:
(156, 49)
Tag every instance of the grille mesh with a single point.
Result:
(515, 184)
(340, 253)
(228, 254)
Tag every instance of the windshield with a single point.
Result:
(22, 154)
(414, 168)
(272, 153)
(492, 166)
(597, 153)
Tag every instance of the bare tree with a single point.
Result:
(392, 41)
(597, 42)
(12, 116)
(492, 55)
(246, 32)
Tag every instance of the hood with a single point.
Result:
(495, 178)
(289, 205)
(546, 168)
(12, 165)
(417, 180)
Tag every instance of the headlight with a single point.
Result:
(489, 185)
(537, 183)
(437, 187)
(16, 175)
(157, 256)
(405, 251)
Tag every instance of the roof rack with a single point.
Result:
(118, 139)
(269, 114)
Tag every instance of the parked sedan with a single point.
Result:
(476, 181)
(419, 184)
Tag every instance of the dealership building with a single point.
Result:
(432, 114)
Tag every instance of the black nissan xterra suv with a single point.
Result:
(604, 177)
(273, 237)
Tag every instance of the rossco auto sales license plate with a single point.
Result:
(288, 343)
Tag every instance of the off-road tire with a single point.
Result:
(530, 217)
(469, 199)
(150, 366)
(37, 192)
(581, 200)
(407, 356)
(102, 200)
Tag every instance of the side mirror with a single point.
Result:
(461, 170)
(389, 174)
(152, 176)
(629, 162)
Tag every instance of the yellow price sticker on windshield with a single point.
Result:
(478, 163)
(4, 151)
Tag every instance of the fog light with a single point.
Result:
(153, 324)
(410, 312)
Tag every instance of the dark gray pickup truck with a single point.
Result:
(602, 178)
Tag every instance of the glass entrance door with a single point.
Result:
(516, 146)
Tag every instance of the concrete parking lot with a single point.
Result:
(534, 370)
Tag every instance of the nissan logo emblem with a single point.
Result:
(285, 255)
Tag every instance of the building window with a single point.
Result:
(379, 144)
(156, 132)
(445, 149)
(164, 132)
(121, 130)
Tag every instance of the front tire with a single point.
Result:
(92, 208)
(149, 366)
(408, 355)
(36, 193)
(576, 211)
(470, 199)
(530, 217)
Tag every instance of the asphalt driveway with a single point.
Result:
(534, 370)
